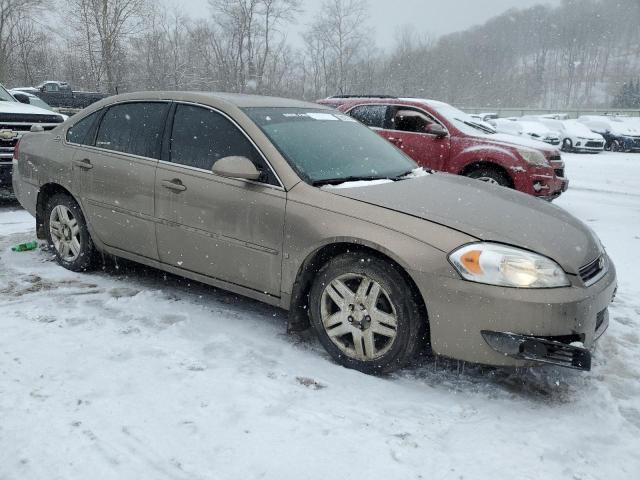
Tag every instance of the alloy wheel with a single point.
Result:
(358, 316)
(65, 233)
(491, 180)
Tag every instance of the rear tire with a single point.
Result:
(489, 174)
(68, 235)
(567, 145)
(363, 311)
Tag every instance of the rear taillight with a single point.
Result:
(16, 150)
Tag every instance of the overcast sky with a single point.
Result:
(433, 17)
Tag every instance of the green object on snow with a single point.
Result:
(23, 247)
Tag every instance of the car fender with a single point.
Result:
(486, 153)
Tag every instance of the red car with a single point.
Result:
(441, 137)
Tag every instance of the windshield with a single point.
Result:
(38, 102)
(327, 147)
(5, 96)
(463, 121)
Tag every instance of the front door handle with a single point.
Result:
(175, 185)
(85, 164)
(395, 141)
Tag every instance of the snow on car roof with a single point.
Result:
(240, 100)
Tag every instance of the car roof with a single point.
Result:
(239, 100)
(374, 100)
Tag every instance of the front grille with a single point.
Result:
(25, 127)
(591, 272)
(593, 144)
(555, 158)
(559, 172)
(6, 149)
(29, 118)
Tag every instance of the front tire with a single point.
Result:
(567, 145)
(364, 314)
(489, 174)
(615, 146)
(68, 235)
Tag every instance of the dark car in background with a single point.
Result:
(619, 136)
(60, 95)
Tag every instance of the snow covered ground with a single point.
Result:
(129, 373)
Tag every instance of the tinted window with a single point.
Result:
(408, 120)
(370, 115)
(79, 132)
(134, 128)
(201, 137)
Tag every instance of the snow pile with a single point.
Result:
(130, 373)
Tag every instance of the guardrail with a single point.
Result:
(572, 112)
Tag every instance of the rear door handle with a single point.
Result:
(175, 185)
(395, 141)
(84, 164)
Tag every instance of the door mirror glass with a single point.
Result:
(236, 167)
(436, 129)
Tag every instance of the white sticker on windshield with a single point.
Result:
(322, 116)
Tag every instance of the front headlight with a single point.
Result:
(533, 157)
(496, 264)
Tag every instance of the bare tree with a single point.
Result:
(335, 41)
(13, 14)
(105, 24)
(246, 36)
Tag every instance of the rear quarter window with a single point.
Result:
(81, 132)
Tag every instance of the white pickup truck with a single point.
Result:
(16, 119)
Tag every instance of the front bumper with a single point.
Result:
(460, 311)
(631, 144)
(542, 349)
(547, 182)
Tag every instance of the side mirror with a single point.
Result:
(437, 130)
(36, 128)
(236, 167)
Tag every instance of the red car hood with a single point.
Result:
(506, 140)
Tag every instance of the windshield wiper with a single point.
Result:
(402, 176)
(355, 178)
(477, 126)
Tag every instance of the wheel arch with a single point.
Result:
(47, 191)
(480, 163)
(299, 308)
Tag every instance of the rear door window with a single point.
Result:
(373, 116)
(134, 128)
(200, 137)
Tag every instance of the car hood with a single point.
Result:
(17, 107)
(505, 139)
(487, 212)
(579, 130)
